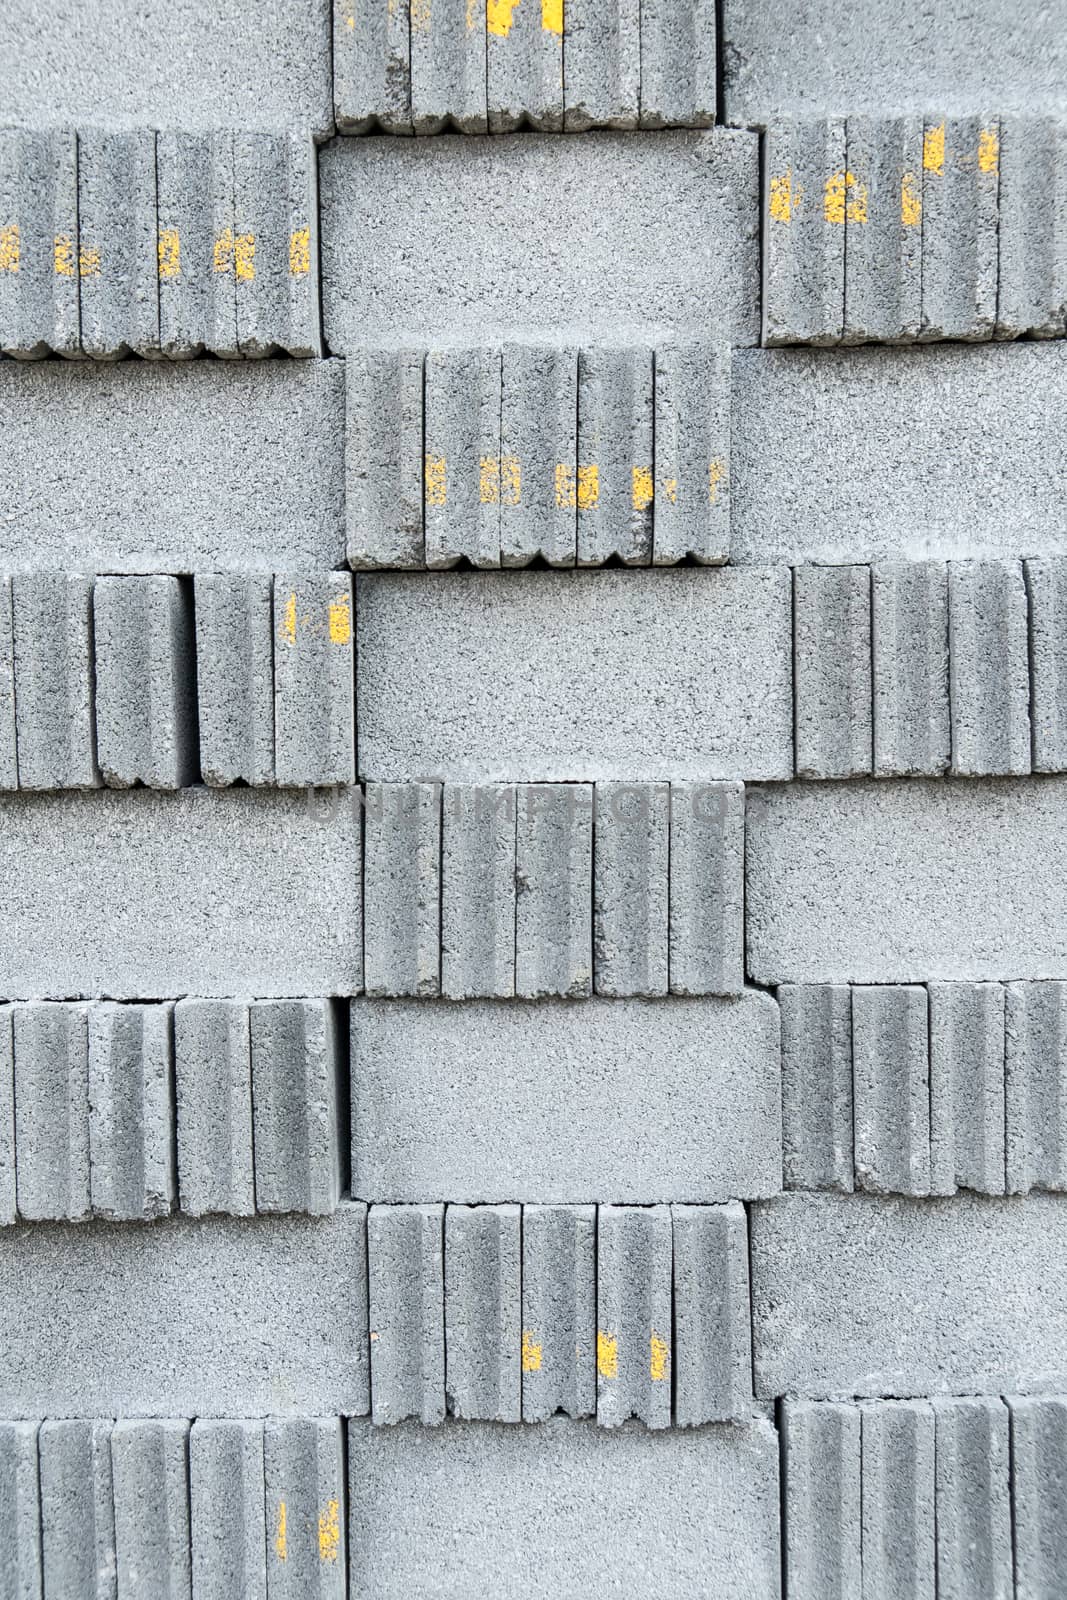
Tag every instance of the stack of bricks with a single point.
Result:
(533, 784)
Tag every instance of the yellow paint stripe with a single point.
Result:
(988, 150)
(329, 1532)
(340, 620)
(281, 1538)
(89, 261)
(552, 16)
(244, 256)
(532, 1352)
(287, 631)
(10, 249)
(222, 254)
(642, 489)
(63, 256)
(658, 1358)
(299, 252)
(435, 477)
(716, 477)
(588, 487)
(934, 149)
(607, 1355)
(498, 15)
(911, 205)
(170, 253)
(783, 199)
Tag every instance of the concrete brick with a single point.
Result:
(524, 69)
(118, 248)
(684, 264)
(478, 891)
(712, 1315)
(142, 468)
(314, 660)
(483, 1312)
(832, 671)
(897, 1493)
(402, 889)
(1039, 1495)
(303, 1459)
(77, 1510)
(554, 890)
(591, 660)
(989, 679)
(430, 1120)
(132, 1158)
(631, 832)
(448, 68)
(384, 458)
(1032, 228)
(909, 625)
(967, 1128)
(634, 1325)
(805, 203)
(1036, 1098)
(539, 431)
(20, 1511)
(178, 894)
(53, 652)
(197, 243)
(298, 1282)
(226, 1483)
(691, 509)
(679, 64)
(299, 1098)
(909, 1283)
(558, 1312)
(459, 1501)
(9, 772)
(615, 482)
(235, 677)
(144, 651)
(1046, 593)
(986, 870)
(883, 229)
(52, 1111)
(821, 1508)
(817, 1108)
(891, 1089)
(213, 1084)
(39, 205)
(602, 53)
(371, 67)
(465, 478)
(973, 1499)
(7, 1117)
(959, 227)
(276, 244)
(405, 1264)
(707, 851)
(150, 1468)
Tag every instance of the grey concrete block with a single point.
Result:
(806, 202)
(314, 660)
(615, 482)
(712, 1315)
(961, 163)
(430, 1120)
(53, 636)
(910, 1282)
(554, 890)
(118, 243)
(298, 1283)
(457, 1502)
(402, 889)
(276, 244)
(384, 458)
(986, 872)
(235, 677)
(707, 864)
(150, 1469)
(483, 1312)
(1036, 1099)
(303, 1460)
(524, 66)
(371, 67)
(897, 1491)
(9, 770)
(77, 1510)
(226, 1483)
(679, 64)
(631, 832)
(634, 1326)
(1032, 228)
(558, 1312)
(465, 478)
(1039, 1495)
(973, 1499)
(198, 250)
(989, 677)
(821, 1505)
(51, 1044)
(7, 1116)
(817, 1109)
(602, 55)
(1046, 592)
(20, 1512)
(448, 67)
(405, 1265)
(691, 508)
(213, 1087)
(591, 660)
(832, 671)
(145, 658)
(683, 264)
(539, 443)
(39, 204)
(477, 891)
(891, 1088)
(909, 663)
(883, 229)
(967, 1079)
(298, 1105)
(132, 1157)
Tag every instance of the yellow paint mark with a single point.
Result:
(988, 150)
(844, 198)
(329, 1532)
(716, 476)
(784, 199)
(300, 252)
(244, 256)
(670, 489)
(473, 19)
(934, 149)
(552, 16)
(63, 256)
(340, 620)
(89, 261)
(9, 248)
(658, 1357)
(643, 488)
(531, 1352)
(607, 1355)
(588, 487)
(498, 16)
(170, 253)
(436, 480)
(287, 631)
(281, 1538)
(566, 489)
(911, 206)
(348, 13)
(420, 16)
(222, 255)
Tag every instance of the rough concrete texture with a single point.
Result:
(891, 1089)
(817, 1104)
(304, 1479)
(827, 899)
(213, 1099)
(806, 200)
(578, 693)
(897, 1499)
(235, 677)
(197, 258)
(881, 189)
(372, 67)
(150, 1475)
(973, 1498)
(631, 829)
(384, 458)
(1036, 1065)
(228, 1513)
(602, 65)
(634, 1332)
(402, 889)
(705, 916)
(538, 1101)
(554, 890)
(615, 478)
(1032, 237)
(524, 67)
(539, 443)
(145, 696)
(989, 682)
(909, 665)
(132, 468)
(9, 771)
(1039, 1495)
(299, 1098)
(405, 1267)
(684, 264)
(448, 68)
(910, 1282)
(277, 1326)
(314, 658)
(832, 671)
(77, 1509)
(478, 884)
(712, 1315)
(7, 1116)
(960, 181)
(132, 1160)
(51, 1052)
(458, 1501)
(679, 64)
(39, 204)
(559, 1314)
(118, 244)
(465, 478)
(821, 1509)
(276, 277)
(20, 1511)
(691, 505)
(197, 892)
(1046, 592)
(483, 1312)
(52, 613)
(967, 1087)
